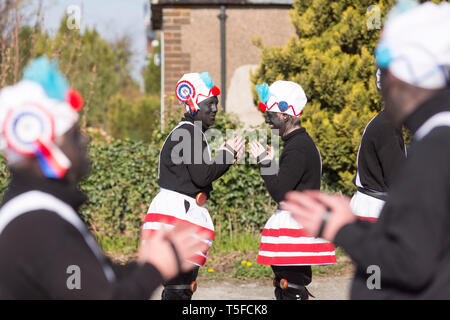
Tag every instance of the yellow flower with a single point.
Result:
(243, 262)
(249, 264)
(210, 270)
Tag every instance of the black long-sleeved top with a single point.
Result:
(300, 166)
(381, 152)
(411, 240)
(38, 247)
(184, 163)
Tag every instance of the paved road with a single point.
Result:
(323, 288)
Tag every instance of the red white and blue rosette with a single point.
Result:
(184, 91)
(24, 125)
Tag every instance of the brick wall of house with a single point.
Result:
(176, 61)
(192, 40)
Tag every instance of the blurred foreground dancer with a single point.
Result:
(380, 155)
(187, 171)
(406, 253)
(46, 251)
(284, 244)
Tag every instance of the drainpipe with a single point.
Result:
(222, 17)
(162, 81)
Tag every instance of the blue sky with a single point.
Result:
(112, 19)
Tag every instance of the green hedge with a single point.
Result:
(120, 187)
(133, 118)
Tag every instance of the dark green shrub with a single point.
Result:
(120, 187)
(133, 119)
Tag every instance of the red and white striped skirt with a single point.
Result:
(285, 242)
(167, 209)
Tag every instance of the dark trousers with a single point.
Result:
(298, 275)
(183, 279)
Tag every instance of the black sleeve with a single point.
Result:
(201, 168)
(292, 167)
(122, 270)
(44, 250)
(391, 154)
(136, 283)
(407, 240)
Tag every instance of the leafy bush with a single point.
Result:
(120, 187)
(136, 119)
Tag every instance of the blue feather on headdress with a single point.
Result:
(207, 79)
(46, 73)
(383, 55)
(263, 92)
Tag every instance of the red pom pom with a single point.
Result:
(262, 106)
(75, 99)
(215, 91)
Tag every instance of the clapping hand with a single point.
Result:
(235, 145)
(258, 152)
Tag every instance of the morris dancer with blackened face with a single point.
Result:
(285, 245)
(186, 173)
(380, 155)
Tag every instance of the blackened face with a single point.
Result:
(208, 111)
(276, 122)
(74, 145)
(391, 101)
